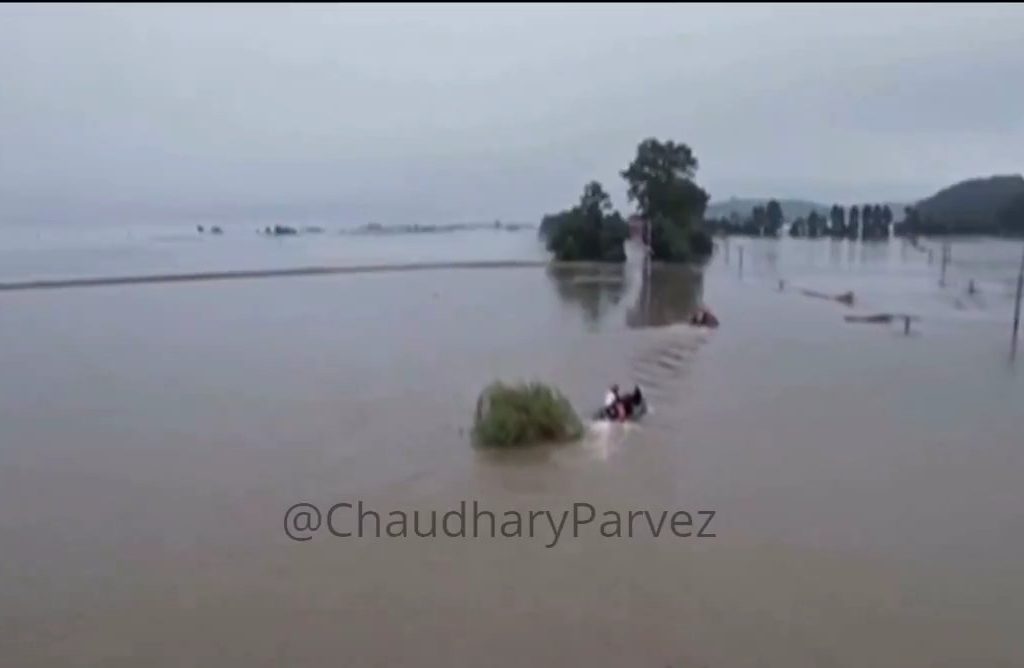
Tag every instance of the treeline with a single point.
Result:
(991, 205)
(670, 207)
(867, 221)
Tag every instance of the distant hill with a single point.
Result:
(975, 203)
(742, 206)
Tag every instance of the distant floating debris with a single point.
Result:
(877, 318)
(416, 228)
(703, 317)
(280, 231)
(884, 319)
(846, 298)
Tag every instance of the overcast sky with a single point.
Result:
(430, 113)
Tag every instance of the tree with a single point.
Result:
(815, 224)
(656, 173)
(759, 218)
(886, 218)
(660, 180)
(867, 214)
(911, 221)
(595, 199)
(853, 229)
(591, 230)
(774, 220)
(838, 221)
(550, 222)
(798, 228)
(877, 229)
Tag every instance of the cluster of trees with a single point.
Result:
(817, 225)
(868, 221)
(591, 230)
(762, 221)
(661, 184)
(752, 225)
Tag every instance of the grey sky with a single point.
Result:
(407, 113)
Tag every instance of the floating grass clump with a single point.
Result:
(523, 414)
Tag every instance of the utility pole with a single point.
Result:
(946, 255)
(1016, 308)
(647, 248)
(647, 267)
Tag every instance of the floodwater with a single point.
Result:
(865, 484)
(59, 251)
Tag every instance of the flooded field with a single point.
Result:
(865, 484)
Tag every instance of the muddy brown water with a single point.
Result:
(866, 485)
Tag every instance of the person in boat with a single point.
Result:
(613, 403)
(633, 402)
(622, 407)
(638, 397)
(702, 317)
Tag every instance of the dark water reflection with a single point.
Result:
(668, 295)
(664, 295)
(595, 289)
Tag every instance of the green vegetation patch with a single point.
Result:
(523, 414)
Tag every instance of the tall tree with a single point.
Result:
(661, 183)
(867, 221)
(853, 229)
(798, 228)
(838, 221)
(911, 221)
(815, 224)
(773, 214)
(595, 199)
(886, 217)
(759, 218)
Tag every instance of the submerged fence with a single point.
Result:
(961, 272)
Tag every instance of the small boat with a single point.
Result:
(634, 415)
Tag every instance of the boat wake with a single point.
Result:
(603, 438)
